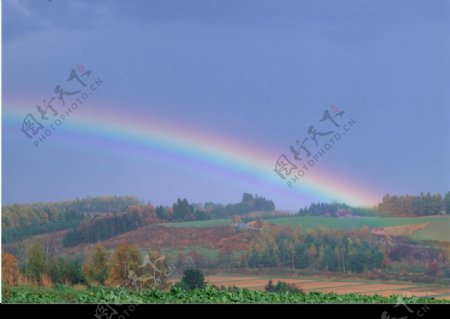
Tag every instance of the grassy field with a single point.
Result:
(357, 222)
(436, 230)
(205, 252)
(331, 222)
(66, 294)
(200, 223)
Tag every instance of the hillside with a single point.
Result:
(330, 251)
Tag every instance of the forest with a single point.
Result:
(22, 220)
(101, 228)
(415, 205)
(321, 249)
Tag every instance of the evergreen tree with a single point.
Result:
(192, 279)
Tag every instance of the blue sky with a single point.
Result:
(256, 71)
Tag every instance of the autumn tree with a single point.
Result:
(123, 265)
(413, 205)
(10, 269)
(155, 270)
(95, 268)
(236, 219)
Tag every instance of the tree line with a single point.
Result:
(15, 234)
(321, 249)
(57, 221)
(415, 205)
(182, 210)
(22, 220)
(335, 210)
(23, 215)
(104, 227)
(125, 267)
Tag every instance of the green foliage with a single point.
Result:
(103, 204)
(95, 268)
(307, 222)
(64, 272)
(182, 210)
(36, 263)
(16, 216)
(209, 294)
(192, 279)
(68, 220)
(20, 221)
(161, 212)
(248, 204)
(200, 223)
(321, 249)
(447, 202)
(335, 210)
(102, 228)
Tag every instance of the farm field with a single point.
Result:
(360, 287)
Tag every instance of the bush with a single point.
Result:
(282, 287)
(192, 279)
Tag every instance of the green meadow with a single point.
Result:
(355, 222)
(331, 222)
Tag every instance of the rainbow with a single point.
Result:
(214, 152)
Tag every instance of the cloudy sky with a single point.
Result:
(236, 83)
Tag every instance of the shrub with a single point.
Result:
(282, 287)
(192, 279)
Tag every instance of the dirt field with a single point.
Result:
(339, 287)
